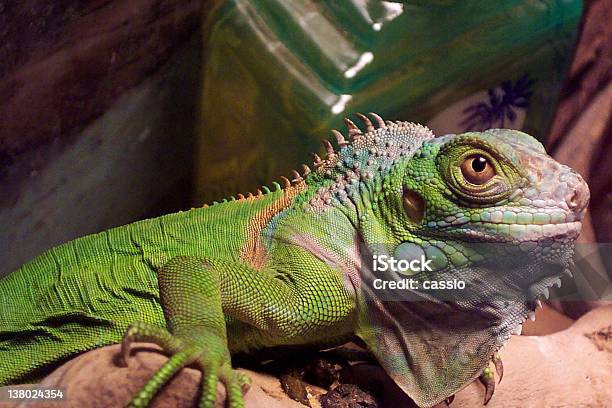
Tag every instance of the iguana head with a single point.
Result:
(489, 208)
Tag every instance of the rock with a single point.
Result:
(95, 380)
(348, 396)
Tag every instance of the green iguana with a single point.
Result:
(290, 267)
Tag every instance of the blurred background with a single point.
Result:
(114, 111)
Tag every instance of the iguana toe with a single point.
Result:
(235, 385)
(160, 378)
(487, 378)
(499, 367)
(244, 381)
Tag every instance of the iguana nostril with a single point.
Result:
(578, 198)
(573, 201)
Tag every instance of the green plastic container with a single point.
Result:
(278, 75)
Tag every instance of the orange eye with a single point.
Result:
(477, 169)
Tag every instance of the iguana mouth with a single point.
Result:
(518, 233)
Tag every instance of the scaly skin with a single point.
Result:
(286, 267)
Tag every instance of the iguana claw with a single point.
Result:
(499, 366)
(487, 378)
(146, 332)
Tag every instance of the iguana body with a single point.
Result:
(286, 267)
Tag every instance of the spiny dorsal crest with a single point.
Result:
(365, 151)
(366, 155)
(360, 154)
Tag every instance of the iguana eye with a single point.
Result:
(477, 169)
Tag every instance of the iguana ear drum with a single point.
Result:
(414, 206)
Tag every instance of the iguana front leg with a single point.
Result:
(196, 295)
(190, 293)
